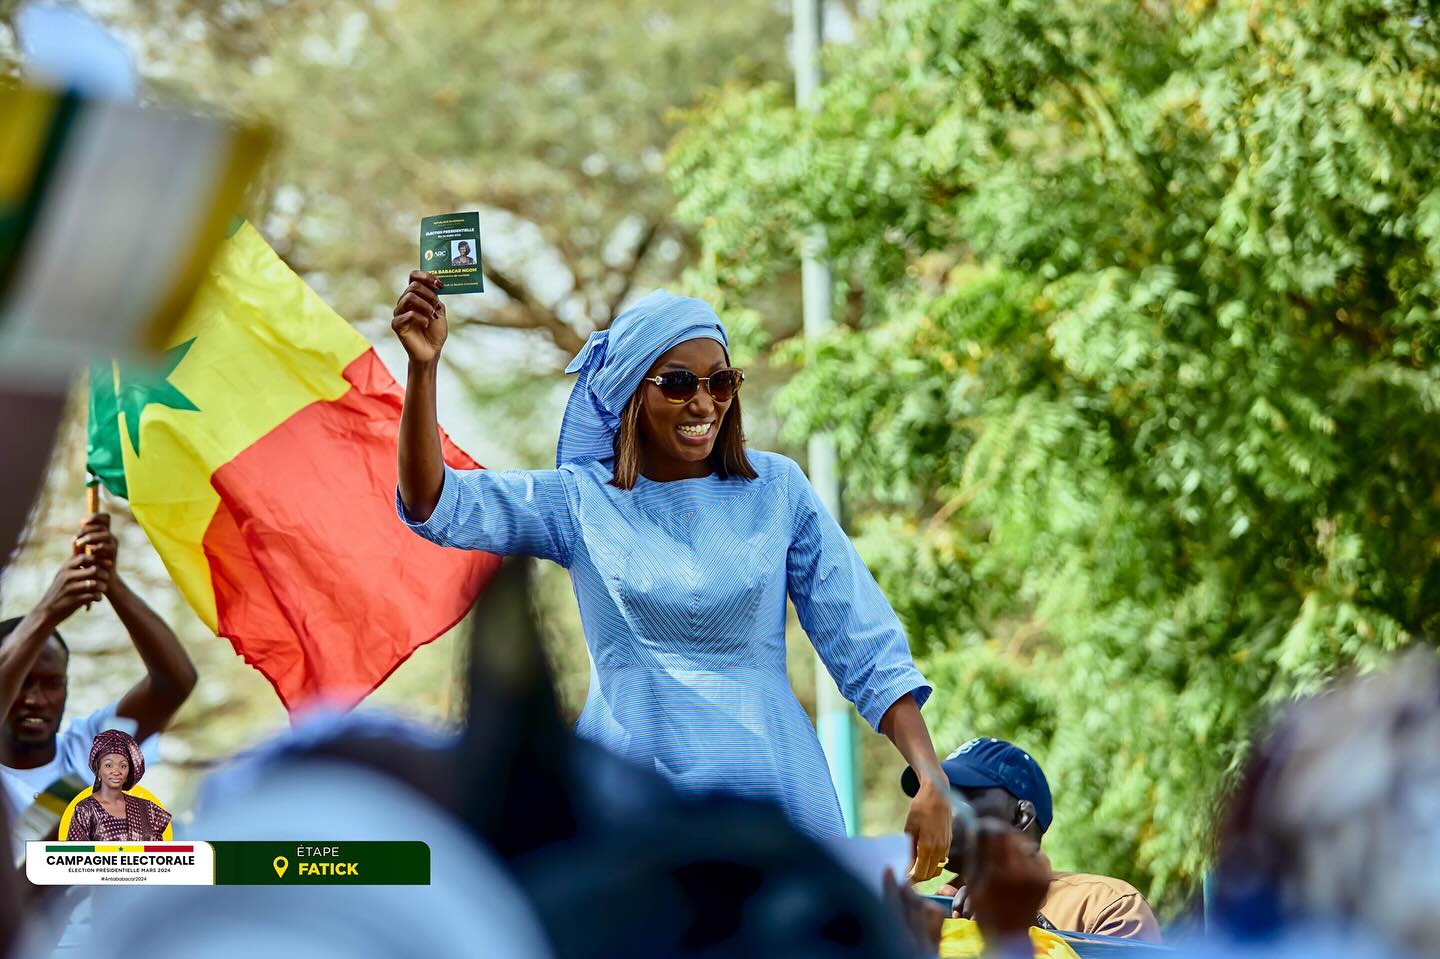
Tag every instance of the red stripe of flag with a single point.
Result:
(317, 583)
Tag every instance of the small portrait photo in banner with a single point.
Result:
(115, 808)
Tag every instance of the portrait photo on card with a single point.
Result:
(462, 253)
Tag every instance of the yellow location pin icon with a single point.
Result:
(281, 864)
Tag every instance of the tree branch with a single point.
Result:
(627, 275)
(854, 303)
(540, 316)
(853, 11)
(508, 317)
(564, 246)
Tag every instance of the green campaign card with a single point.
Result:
(450, 249)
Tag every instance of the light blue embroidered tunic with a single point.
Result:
(682, 589)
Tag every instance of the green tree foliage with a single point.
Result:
(550, 117)
(1136, 391)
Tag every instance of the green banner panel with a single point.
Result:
(324, 863)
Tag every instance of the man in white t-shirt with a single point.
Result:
(34, 659)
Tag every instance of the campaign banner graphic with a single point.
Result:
(96, 864)
(229, 863)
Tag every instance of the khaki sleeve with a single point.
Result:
(1128, 917)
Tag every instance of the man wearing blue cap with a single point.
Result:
(1002, 782)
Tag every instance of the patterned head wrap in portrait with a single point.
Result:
(612, 363)
(121, 744)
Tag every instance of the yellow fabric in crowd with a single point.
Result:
(961, 939)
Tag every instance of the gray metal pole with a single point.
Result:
(833, 720)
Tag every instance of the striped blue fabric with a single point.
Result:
(612, 362)
(682, 589)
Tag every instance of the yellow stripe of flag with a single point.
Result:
(262, 347)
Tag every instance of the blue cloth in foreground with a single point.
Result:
(682, 589)
(612, 363)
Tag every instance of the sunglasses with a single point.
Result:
(680, 386)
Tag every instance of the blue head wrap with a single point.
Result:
(612, 363)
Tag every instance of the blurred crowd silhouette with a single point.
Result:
(544, 845)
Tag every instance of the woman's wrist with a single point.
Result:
(424, 367)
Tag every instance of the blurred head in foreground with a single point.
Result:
(1337, 817)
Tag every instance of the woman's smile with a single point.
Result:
(696, 433)
(679, 438)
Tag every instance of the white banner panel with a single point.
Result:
(187, 863)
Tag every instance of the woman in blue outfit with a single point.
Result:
(682, 546)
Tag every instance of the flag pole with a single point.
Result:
(92, 506)
(92, 482)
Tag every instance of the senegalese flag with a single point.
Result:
(259, 457)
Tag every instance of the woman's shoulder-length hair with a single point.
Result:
(727, 459)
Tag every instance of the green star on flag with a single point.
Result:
(128, 388)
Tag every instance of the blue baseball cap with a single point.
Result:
(983, 763)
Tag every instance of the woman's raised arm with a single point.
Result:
(419, 322)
